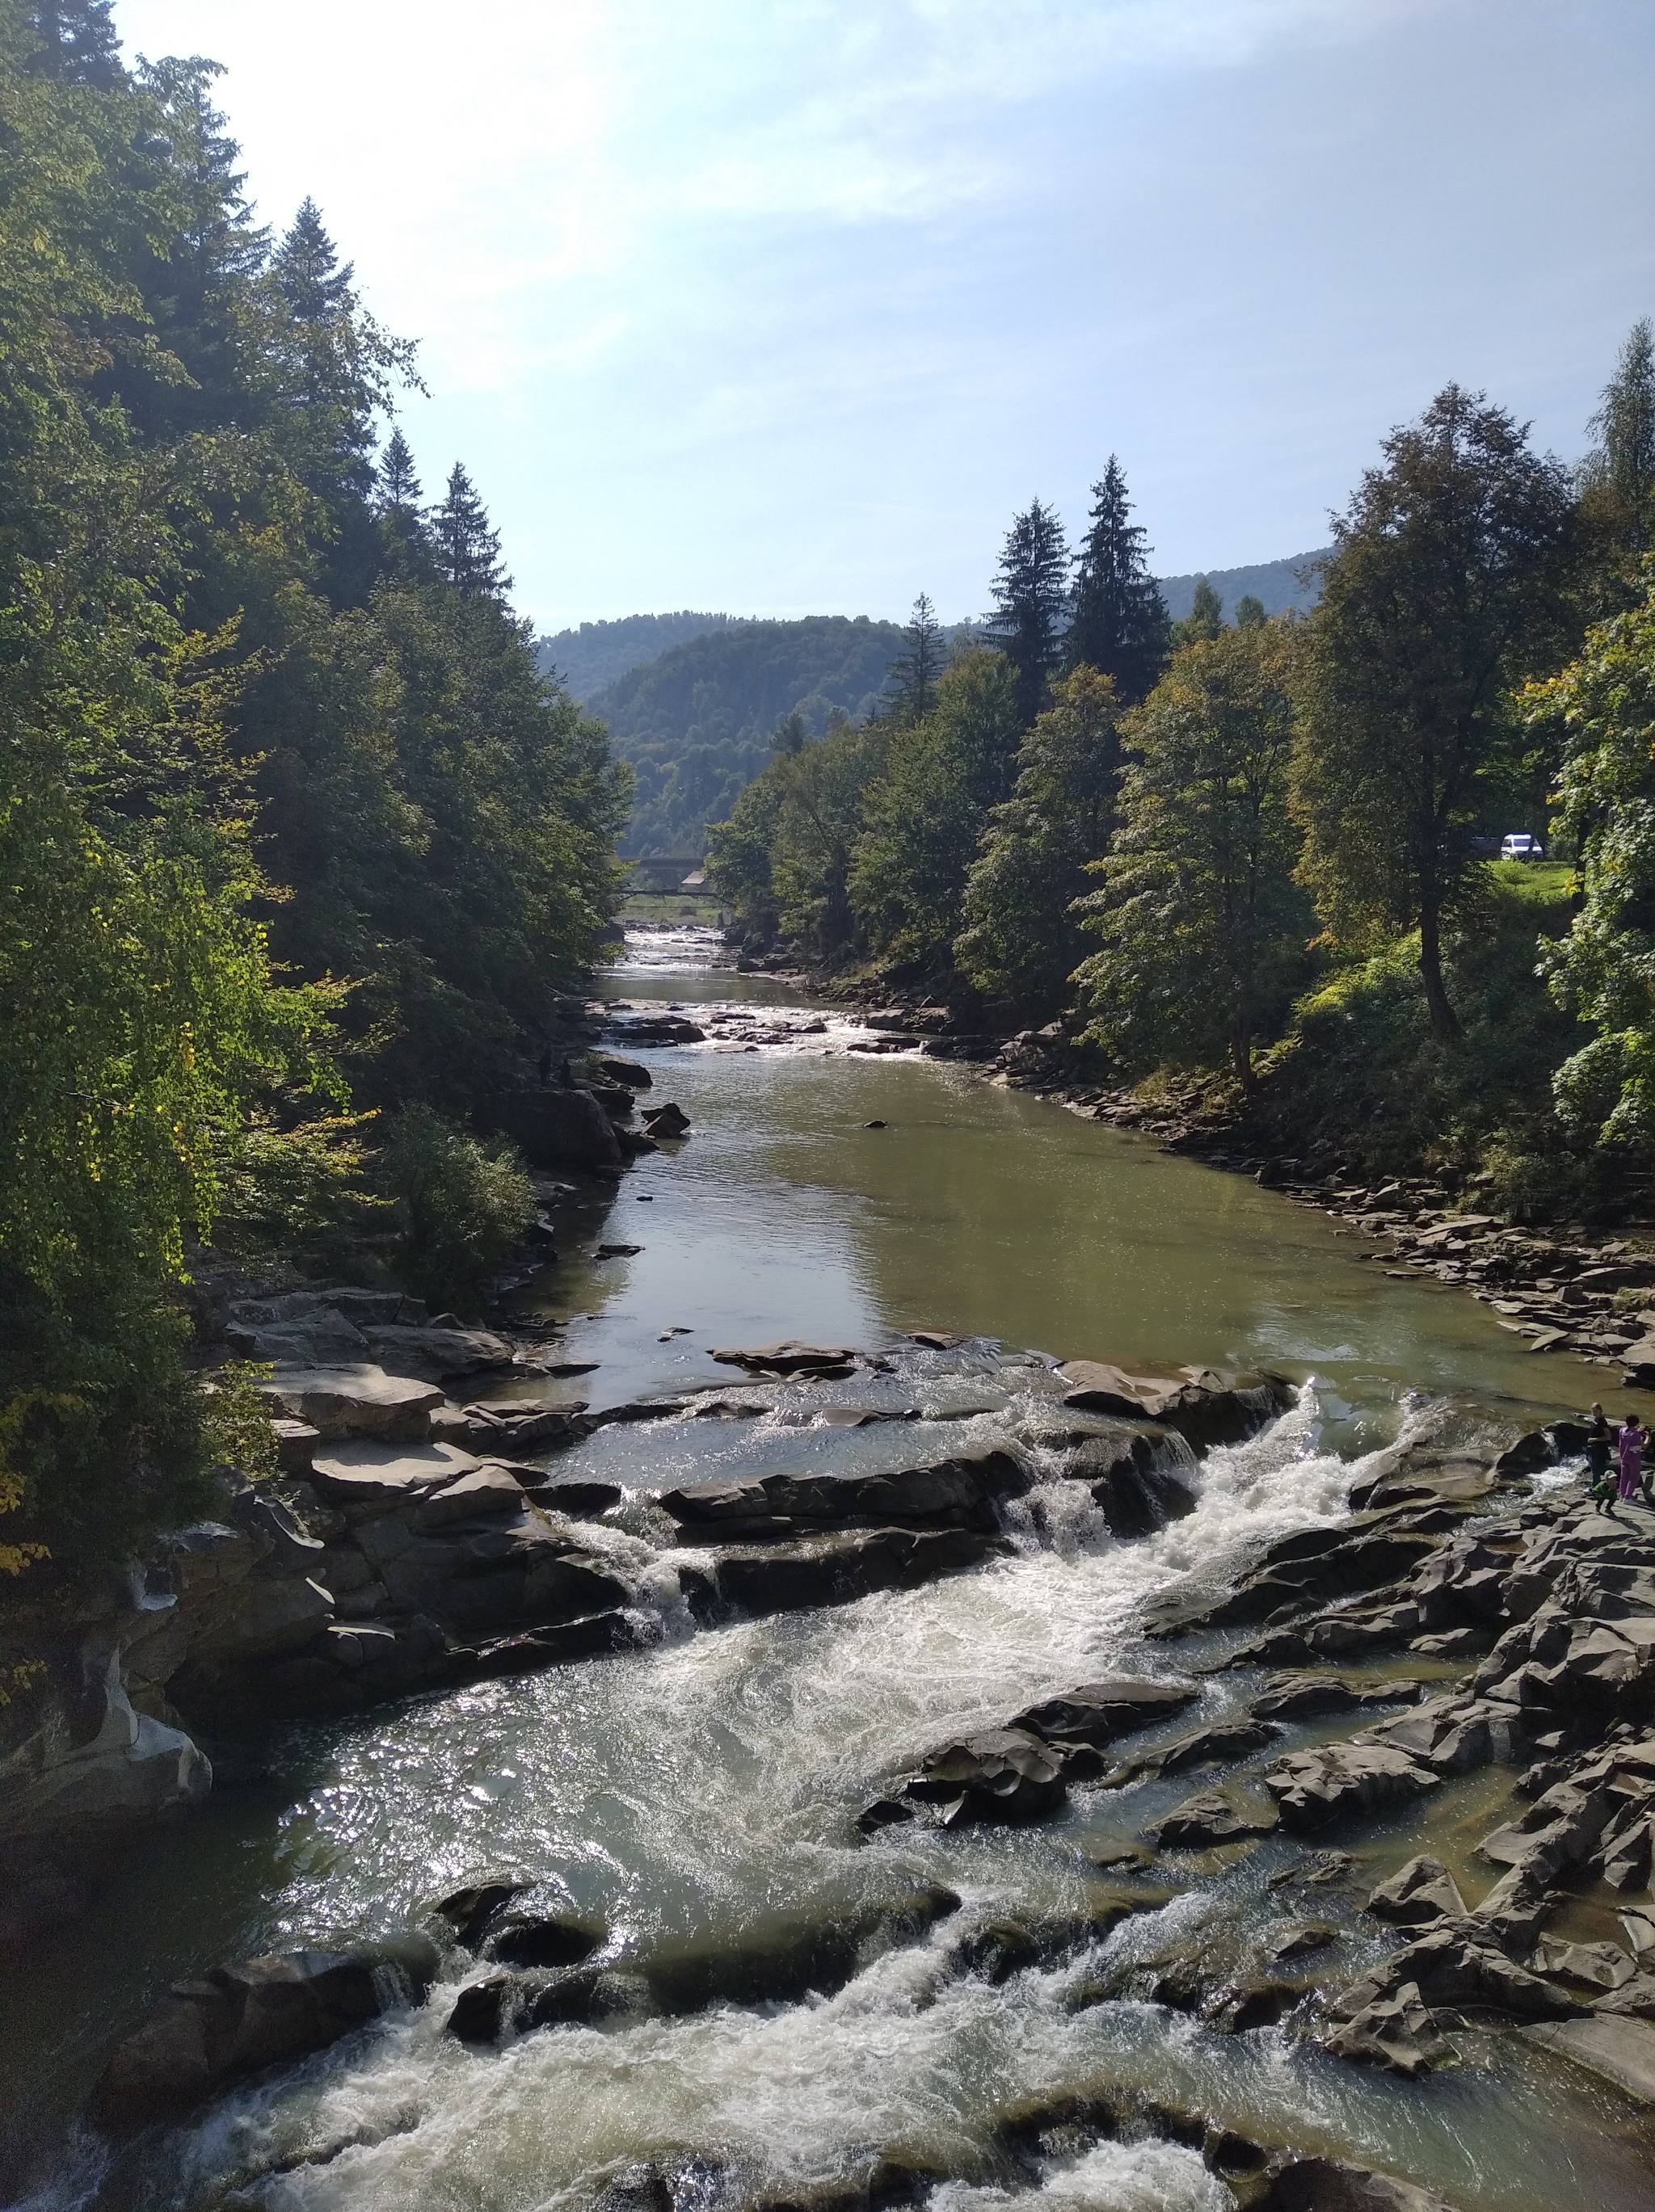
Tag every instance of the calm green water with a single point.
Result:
(707, 1787)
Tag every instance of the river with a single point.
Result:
(705, 1789)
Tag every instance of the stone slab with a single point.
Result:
(1621, 2051)
(382, 1476)
(358, 1400)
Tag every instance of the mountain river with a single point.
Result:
(705, 1789)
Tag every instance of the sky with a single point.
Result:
(786, 307)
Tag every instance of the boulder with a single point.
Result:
(321, 1338)
(960, 1491)
(1620, 2051)
(557, 1128)
(468, 1911)
(356, 1400)
(1208, 1746)
(631, 1072)
(1418, 1895)
(522, 1940)
(1326, 2185)
(1001, 1775)
(1098, 1712)
(1297, 1694)
(667, 1120)
(1394, 2030)
(236, 2019)
(1604, 1966)
(1205, 1822)
(1205, 1407)
(481, 1493)
(1132, 1483)
(434, 1353)
(95, 1762)
(788, 1358)
(1337, 1780)
(831, 1569)
(366, 1477)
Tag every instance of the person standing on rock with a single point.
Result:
(1600, 1442)
(1631, 1443)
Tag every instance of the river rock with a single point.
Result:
(1131, 1482)
(1336, 1780)
(90, 1761)
(1205, 1821)
(667, 1120)
(1393, 2029)
(831, 1569)
(1002, 1775)
(631, 1072)
(435, 1351)
(468, 1911)
(1297, 1694)
(1205, 1407)
(1620, 2051)
(1098, 1712)
(1417, 1895)
(319, 1339)
(356, 1400)
(1323, 2184)
(369, 1478)
(789, 1358)
(961, 1491)
(1208, 1746)
(557, 1128)
(506, 1573)
(235, 2021)
(525, 1939)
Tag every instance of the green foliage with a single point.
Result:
(924, 816)
(1021, 941)
(237, 1428)
(1120, 626)
(698, 723)
(1447, 587)
(912, 685)
(1202, 928)
(1031, 603)
(464, 1204)
(1205, 620)
(1605, 969)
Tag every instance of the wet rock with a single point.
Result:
(436, 1352)
(668, 1119)
(468, 1910)
(1205, 1407)
(1603, 1966)
(581, 1501)
(1205, 1821)
(1418, 1895)
(1300, 1943)
(359, 1399)
(832, 1568)
(631, 1072)
(1297, 1694)
(1253, 2004)
(363, 1477)
(234, 2021)
(1451, 1970)
(1393, 2030)
(1325, 2185)
(789, 1358)
(530, 1940)
(1131, 1483)
(1208, 1746)
(1339, 1780)
(960, 1491)
(1006, 1945)
(557, 1128)
(1001, 1775)
(1098, 1712)
(1620, 2051)
(587, 1636)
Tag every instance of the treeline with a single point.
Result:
(1207, 844)
(294, 836)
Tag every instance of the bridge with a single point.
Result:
(666, 872)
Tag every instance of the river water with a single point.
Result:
(703, 1790)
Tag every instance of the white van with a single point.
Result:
(1522, 846)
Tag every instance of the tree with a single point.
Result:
(1031, 609)
(77, 41)
(1446, 588)
(400, 487)
(468, 551)
(1620, 471)
(1121, 627)
(1250, 611)
(1205, 619)
(911, 685)
(1021, 941)
(1203, 927)
(1604, 970)
(925, 816)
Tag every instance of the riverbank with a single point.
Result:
(697, 1795)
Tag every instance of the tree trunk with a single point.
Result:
(1444, 1022)
(1241, 1059)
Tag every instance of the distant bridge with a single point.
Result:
(667, 871)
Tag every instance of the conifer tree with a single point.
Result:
(1031, 609)
(1250, 611)
(400, 487)
(78, 43)
(468, 551)
(1205, 620)
(1120, 626)
(911, 686)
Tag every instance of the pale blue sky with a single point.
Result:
(786, 306)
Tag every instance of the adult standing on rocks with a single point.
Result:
(1600, 1439)
(1632, 1458)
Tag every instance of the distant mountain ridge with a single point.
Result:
(1275, 583)
(693, 700)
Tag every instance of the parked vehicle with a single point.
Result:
(1521, 847)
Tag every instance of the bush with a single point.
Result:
(464, 1203)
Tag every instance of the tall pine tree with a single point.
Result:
(912, 686)
(78, 42)
(468, 551)
(1031, 609)
(1120, 626)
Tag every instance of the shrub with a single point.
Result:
(464, 1202)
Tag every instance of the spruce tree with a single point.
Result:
(398, 484)
(1205, 620)
(1031, 609)
(911, 686)
(1120, 626)
(78, 42)
(468, 551)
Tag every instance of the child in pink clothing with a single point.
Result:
(1631, 1443)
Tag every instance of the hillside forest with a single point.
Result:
(1251, 864)
(300, 848)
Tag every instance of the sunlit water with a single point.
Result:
(706, 1789)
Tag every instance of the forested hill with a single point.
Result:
(1275, 584)
(598, 653)
(699, 723)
